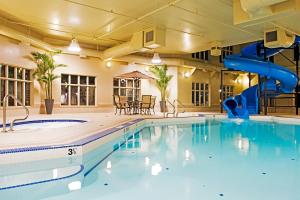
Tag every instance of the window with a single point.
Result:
(15, 81)
(131, 88)
(227, 91)
(77, 90)
(225, 52)
(203, 55)
(200, 94)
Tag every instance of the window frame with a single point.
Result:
(126, 87)
(78, 85)
(227, 91)
(226, 51)
(201, 55)
(15, 79)
(199, 90)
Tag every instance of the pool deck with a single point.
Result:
(96, 122)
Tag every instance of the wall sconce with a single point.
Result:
(187, 74)
(108, 64)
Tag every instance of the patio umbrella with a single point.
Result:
(136, 75)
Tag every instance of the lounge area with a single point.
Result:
(144, 106)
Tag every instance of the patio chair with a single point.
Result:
(120, 104)
(152, 105)
(125, 103)
(145, 104)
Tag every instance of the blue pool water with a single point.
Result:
(211, 160)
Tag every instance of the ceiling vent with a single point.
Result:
(278, 37)
(140, 41)
(154, 37)
(215, 49)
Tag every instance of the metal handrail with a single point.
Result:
(174, 109)
(5, 99)
(181, 104)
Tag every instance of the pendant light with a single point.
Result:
(74, 46)
(156, 59)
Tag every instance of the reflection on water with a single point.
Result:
(242, 137)
(225, 155)
(242, 144)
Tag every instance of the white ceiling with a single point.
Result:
(190, 24)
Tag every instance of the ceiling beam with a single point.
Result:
(140, 18)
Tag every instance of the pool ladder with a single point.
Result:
(5, 102)
(175, 109)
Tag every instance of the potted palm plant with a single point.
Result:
(44, 73)
(162, 82)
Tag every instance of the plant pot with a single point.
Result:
(49, 105)
(163, 106)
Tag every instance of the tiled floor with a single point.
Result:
(44, 136)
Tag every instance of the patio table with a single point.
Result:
(135, 106)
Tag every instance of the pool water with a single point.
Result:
(211, 160)
(38, 125)
(46, 125)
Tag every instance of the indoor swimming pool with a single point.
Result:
(210, 159)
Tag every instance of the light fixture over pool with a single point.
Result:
(74, 46)
(156, 59)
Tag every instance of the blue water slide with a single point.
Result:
(252, 59)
